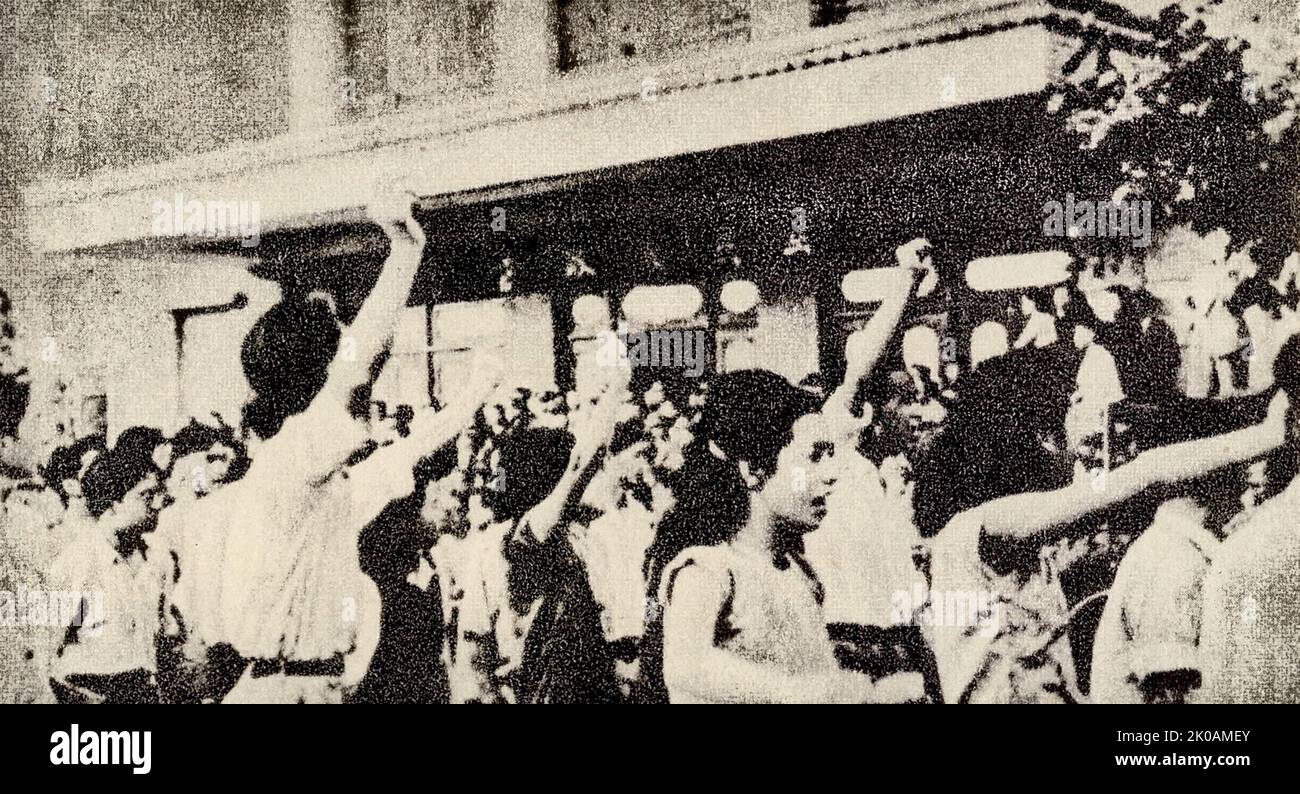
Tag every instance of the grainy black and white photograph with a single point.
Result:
(650, 352)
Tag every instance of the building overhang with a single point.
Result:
(513, 143)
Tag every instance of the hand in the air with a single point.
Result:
(593, 419)
(392, 212)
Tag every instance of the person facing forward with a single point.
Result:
(106, 653)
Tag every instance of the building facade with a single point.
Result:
(718, 167)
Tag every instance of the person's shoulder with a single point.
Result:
(713, 562)
(717, 557)
(1269, 538)
(327, 423)
(961, 533)
(1172, 536)
(216, 510)
(320, 438)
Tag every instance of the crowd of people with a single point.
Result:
(1036, 515)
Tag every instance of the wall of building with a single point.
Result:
(141, 81)
(106, 327)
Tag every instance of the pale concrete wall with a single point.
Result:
(139, 81)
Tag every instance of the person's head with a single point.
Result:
(980, 460)
(435, 478)
(766, 427)
(204, 457)
(545, 406)
(120, 484)
(665, 427)
(286, 357)
(526, 465)
(140, 439)
(403, 416)
(1240, 268)
(919, 253)
(68, 464)
(669, 445)
(804, 474)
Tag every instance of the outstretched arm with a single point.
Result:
(387, 474)
(1030, 514)
(865, 347)
(371, 332)
(593, 427)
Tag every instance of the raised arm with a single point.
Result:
(385, 475)
(864, 348)
(1031, 514)
(1028, 335)
(371, 332)
(592, 426)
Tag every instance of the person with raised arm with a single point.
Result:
(269, 565)
(1249, 635)
(999, 618)
(862, 551)
(743, 619)
(527, 623)
(865, 347)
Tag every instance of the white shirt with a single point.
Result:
(1250, 634)
(981, 624)
(269, 564)
(1152, 619)
(862, 551)
(770, 616)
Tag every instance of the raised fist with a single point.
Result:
(391, 210)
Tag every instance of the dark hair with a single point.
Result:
(435, 466)
(750, 415)
(65, 463)
(286, 358)
(531, 462)
(140, 438)
(114, 474)
(972, 465)
(712, 504)
(198, 437)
